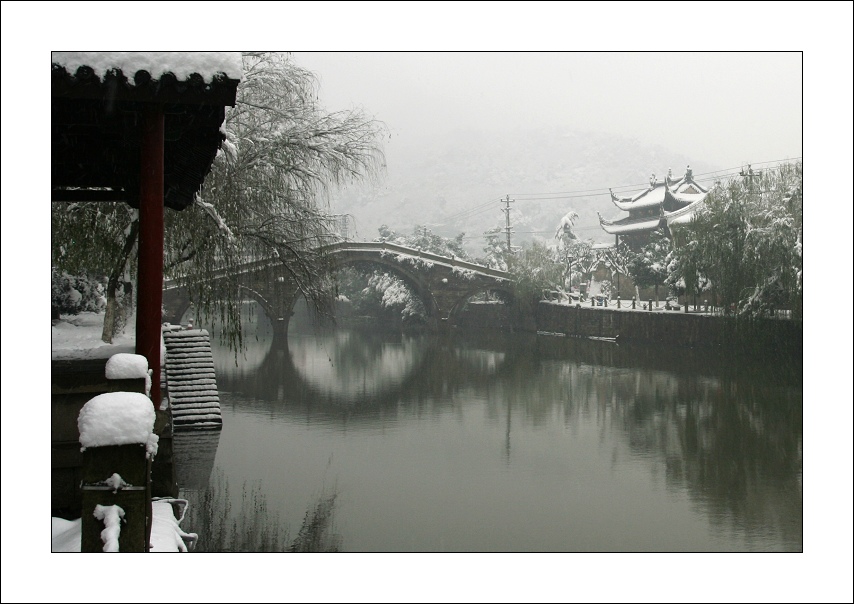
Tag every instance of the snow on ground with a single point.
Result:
(79, 337)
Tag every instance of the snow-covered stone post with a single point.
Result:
(127, 372)
(130, 373)
(118, 444)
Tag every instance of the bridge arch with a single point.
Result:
(442, 284)
(415, 281)
(506, 292)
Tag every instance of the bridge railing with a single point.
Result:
(407, 251)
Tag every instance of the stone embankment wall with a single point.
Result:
(670, 328)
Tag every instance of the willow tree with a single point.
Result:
(266, 194)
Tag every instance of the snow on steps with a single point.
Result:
(191, 380)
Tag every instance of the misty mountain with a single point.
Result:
(455, 183)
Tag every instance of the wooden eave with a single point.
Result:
(95, 134)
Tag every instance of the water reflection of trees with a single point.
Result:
(725, 428)
(730, 432)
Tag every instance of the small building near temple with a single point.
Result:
(664, 204)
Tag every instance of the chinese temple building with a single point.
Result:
(658, 208)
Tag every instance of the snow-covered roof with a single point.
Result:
(671, 193)
(629, 225)
(653, 196)
(677, 201)
(180, 64)
(686, 214)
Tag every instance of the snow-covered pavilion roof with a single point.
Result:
(686, 214)
(670, 193)
(676, 201)
(96, 102)
(629, 225)
(209, 65)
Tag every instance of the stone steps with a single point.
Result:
(190, 380)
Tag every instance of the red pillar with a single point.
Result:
(149, 296)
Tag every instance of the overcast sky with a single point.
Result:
(728, 108)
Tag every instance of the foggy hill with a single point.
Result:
(448, 184)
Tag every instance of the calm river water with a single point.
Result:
(511, 443)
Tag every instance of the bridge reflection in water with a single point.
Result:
(354, 370)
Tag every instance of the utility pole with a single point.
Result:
(749, 175)
(506, 211)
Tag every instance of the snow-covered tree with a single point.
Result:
(617, 259)
(565, 229)
(495, 250)
(748, 242)
(424, 239)
(649, 266)
(578, 259)
(98, 239)
(534, 269)
(73, 294)
(396, 296)
(576, 254)
(378, 293)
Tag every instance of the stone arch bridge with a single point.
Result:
(443, 284)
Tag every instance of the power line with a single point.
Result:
(581, 193)
(469, 212)
(639, 186)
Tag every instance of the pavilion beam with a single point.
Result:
(150, 268)
(88, 195)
